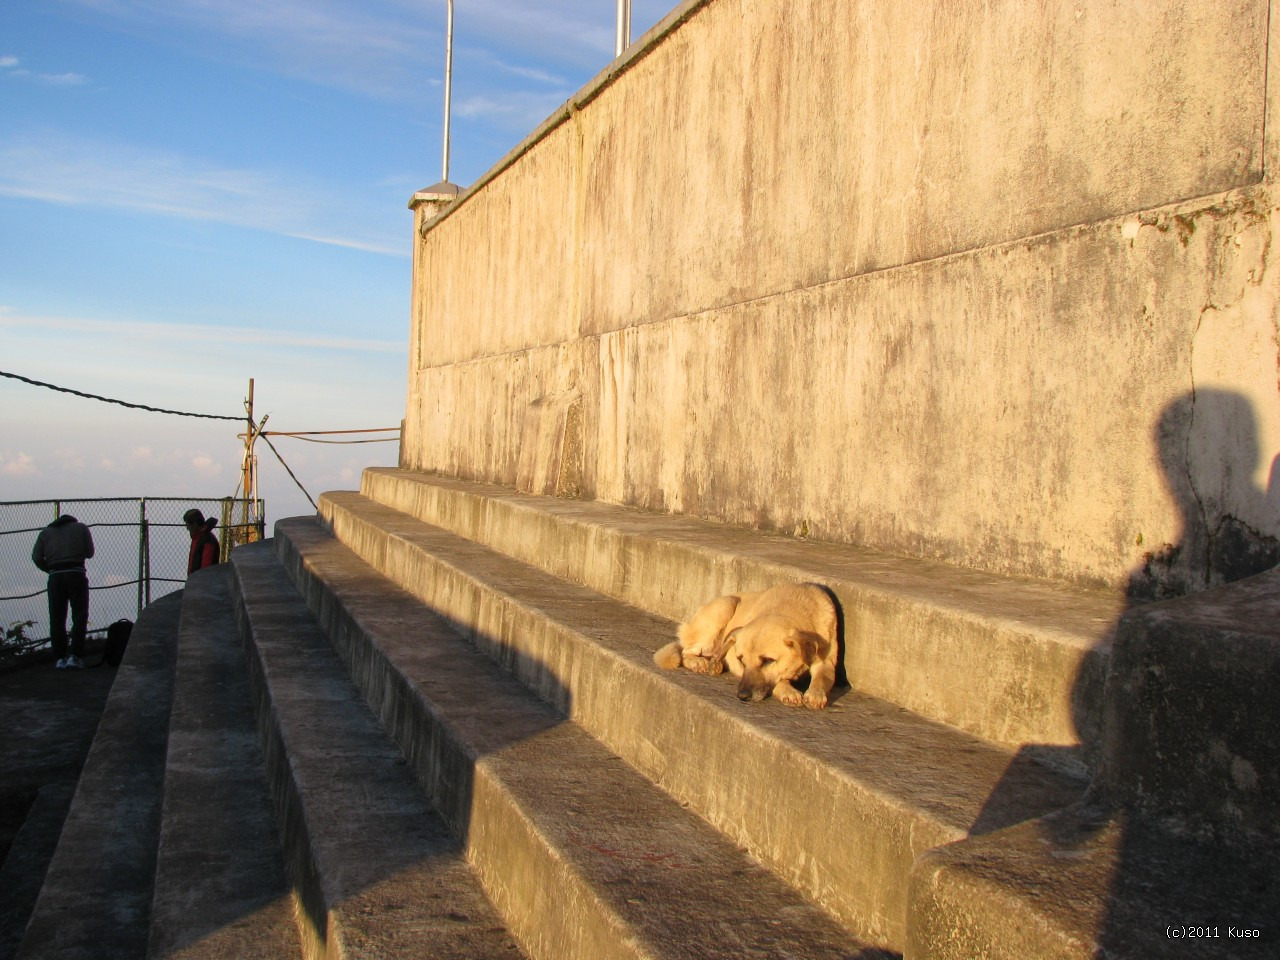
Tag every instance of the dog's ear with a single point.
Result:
(804, 643)
(722, 648)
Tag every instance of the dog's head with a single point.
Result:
(770, 649)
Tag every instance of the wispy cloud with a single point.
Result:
(17, 465)
(10, 67)
(64, 169)
(195, 333)
(390, 48)
(523, 111)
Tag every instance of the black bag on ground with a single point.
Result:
(117, 640)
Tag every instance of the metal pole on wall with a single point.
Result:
(448, 86)
(624, 27)
(246, 468)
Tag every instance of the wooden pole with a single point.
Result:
(246, 468)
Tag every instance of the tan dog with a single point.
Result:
(768, 640)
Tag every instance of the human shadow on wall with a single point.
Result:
(1176, 881)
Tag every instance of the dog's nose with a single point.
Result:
(744, 695)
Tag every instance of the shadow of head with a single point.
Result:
(1208, 446)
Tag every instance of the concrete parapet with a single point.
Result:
(1193, 714)
(1091, 882)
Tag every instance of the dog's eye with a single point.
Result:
(765, 661)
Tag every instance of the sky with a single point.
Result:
(194, 193)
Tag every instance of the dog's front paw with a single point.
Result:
(788, 694)
(715, 667)
(815, 700)
(697, 664)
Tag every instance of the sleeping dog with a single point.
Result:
(768, 639)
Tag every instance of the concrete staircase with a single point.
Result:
(427, 723)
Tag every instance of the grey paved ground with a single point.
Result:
(47, 721)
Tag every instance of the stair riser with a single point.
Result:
(551, 910)
(320, 930)
(844, 846)
(378, 870)
(990, 677)
(221, 888)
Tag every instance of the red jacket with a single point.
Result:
(204, 548)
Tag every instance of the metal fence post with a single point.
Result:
(147, 575)
(224, 542)
(142, 540)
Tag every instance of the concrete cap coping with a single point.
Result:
(442, 192)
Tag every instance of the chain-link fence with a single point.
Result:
(140, 554)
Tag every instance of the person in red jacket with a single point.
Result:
(204, 545)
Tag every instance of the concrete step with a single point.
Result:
(1090, 882)
(1013, 661)
(582, 855)
(376, 872)
(95, 903)
(220, 892)
(839, 803)
(24, 868)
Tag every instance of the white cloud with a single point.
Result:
(522, 111)
(23, 465)
(54, 79)
(390, 48)
(11, 68)
(72, 171)
(69, 461)
(205, 466)
(170, 334)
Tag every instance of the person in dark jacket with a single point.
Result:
(204, 545)
(60, 551)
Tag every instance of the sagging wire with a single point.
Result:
(287, 470)
(309, 435)
(300, 435)
(101, 586)
(122, 403)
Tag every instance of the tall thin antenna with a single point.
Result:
(448, 84)
(624, 27)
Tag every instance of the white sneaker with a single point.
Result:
(61, 664)
(74, 663)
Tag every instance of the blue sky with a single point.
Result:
(196, 192)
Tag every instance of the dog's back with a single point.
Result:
(807, 605)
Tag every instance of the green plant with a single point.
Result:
(15, 635)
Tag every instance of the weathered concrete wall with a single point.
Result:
(987, 282)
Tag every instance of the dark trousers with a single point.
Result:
(70, 589)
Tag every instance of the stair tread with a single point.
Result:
(1010, 659)
(96, 897)
(900, 755)
(380, 871)
(221, 888)
(645, 856)
(1077, 615)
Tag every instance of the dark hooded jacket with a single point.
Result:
(63, 546)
